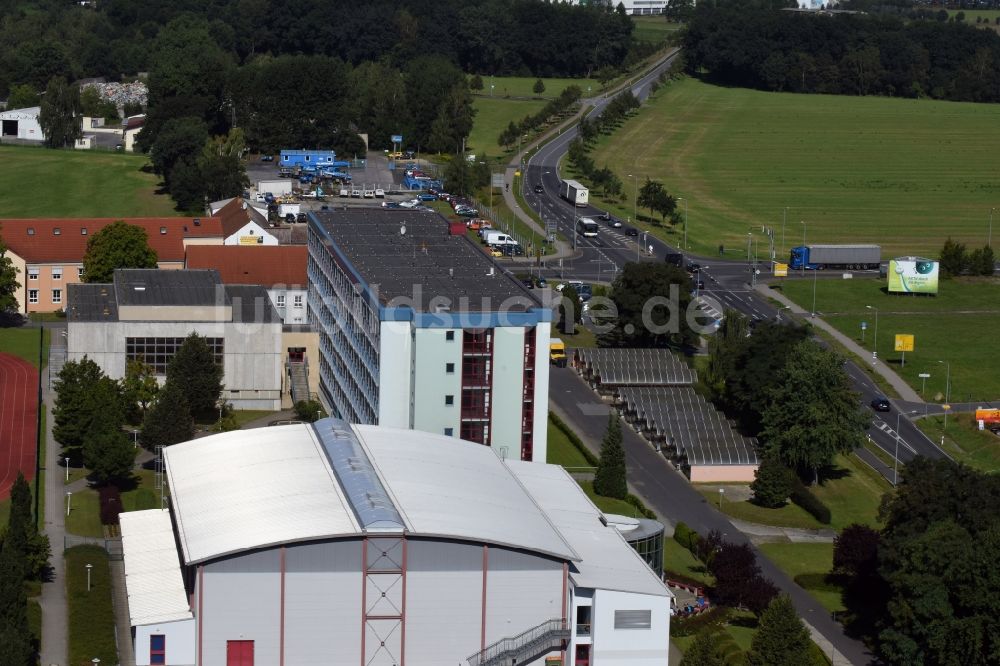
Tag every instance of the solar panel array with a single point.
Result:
(688, 424)
(634, 367)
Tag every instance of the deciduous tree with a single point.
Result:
(139, 388)
(118, 245)
(653, 300)
(953, 259)
(610, 479)
(22, 96)
(73, 412)
(570, 309)
(704, 651)
(59, 114)
(9, 283)
(781, 639)
(654, 196)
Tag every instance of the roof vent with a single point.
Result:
(185, 228)
(104, 291)
(197, 222)
(451, 272)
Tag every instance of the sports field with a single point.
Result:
(38, 182)
(902, 173)
(958, 326)
(18, 420)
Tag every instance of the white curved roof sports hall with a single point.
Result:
(250, 489)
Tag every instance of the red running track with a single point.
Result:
(18, 420)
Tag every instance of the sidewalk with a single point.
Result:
(864, 356)
(54, 649)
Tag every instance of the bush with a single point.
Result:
(687, 538)
(308, 410)
(689, 626)
(640, 507)
(811, 503)
(111, 504)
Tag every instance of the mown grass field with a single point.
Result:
(959, 325)
(808, 564)
(902, 173)
(91, 614)
(492, 117)
(23, 342)
(655, 29)
(523, 86)
(964, 441)
(989, 17)
(38, 182)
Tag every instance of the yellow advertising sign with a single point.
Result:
(780, 269)
(904, 342)
(251, 240)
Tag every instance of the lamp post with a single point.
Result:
(875, 340)
(69, 501)
(722, 492)
(895, 457)
(635, 197)
(67, 469)
(784, 218)
(815, 274)
(685, 221)
(947, 393)
(89, 567)
(803, 267)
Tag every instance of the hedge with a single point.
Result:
(811, 503)
(687, 538)
(689, 626)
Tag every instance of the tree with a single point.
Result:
(610, 479)
(781, 639)
(8, 280)
(772, 483)
(855, 551)
(73, 410)
(953, 258)
(814, 413)
(653, 302)
(653, 196)
(169, 420)
(476, 82)
(539, 87)
(606, 75)
(15, 634)
(570, 309)
(187, 187)
(982, 261)
(194, 368)
(738, 581)
(106, 449)
(22, 96)
(308, 410)
(221, 166)
(118, 245)
(178, 140)
(138, 388)
(59, 113)
(703, 650)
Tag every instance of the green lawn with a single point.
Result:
(561, 451)
(655, 29)
(84, 517)
(523, 86)
(808, 564)
(91, 615)
(678, 559)
(958, 325)
(964, 441)
(903, 173)
(609, 504)
(39, 182)
(23, 342)
(493, 114)
(852, 494)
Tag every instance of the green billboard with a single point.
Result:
(913, 275)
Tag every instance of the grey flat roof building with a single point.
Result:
(396, 252)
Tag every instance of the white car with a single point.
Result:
(355, 194)
(369, 194)
(379, 193)
(344, 192)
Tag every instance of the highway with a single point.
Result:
(726, 285)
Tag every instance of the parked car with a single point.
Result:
(881, 404)
(512, 250)
(301, 218)
(267, 158)
(379, 193)
(286, 172)
(290, 218)
(306, 178)
(427, 197)
(355, 194)
(467, 212)
(344, 192)
(369, 194)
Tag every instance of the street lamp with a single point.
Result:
(67, 469)
(635, 197)
(802, 257)
(815, 274)
(875, 341)
(947, 393)
(722, 492)
(685, 221)
(69, 501)
(895, 457)
(89, 567)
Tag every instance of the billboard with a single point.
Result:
(904, 342)
(913, 275)
(988, 416)
(780, 269)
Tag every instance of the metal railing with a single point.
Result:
(547, 635)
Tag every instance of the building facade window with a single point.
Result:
(449, 368)
(449, 400)
(280, 301)
(297, 300)
(449, 336)
(32, 295)
(157, 649)
(57, 273)
(57, 295)
(449, 432)
(158, 352)
(79, 273)
(32, 273)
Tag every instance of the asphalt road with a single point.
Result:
(669, 493)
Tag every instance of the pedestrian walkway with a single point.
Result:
(123, 622)
(54, 648)
(758, 533)
(905, 391)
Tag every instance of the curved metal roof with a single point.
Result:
(634, 367)
(257, 488)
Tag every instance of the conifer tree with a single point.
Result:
(610, 479)
(169, 420)
(781, 639)
(193, 367)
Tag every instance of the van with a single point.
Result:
(500, 240)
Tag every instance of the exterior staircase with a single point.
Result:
(549, 635)
(298, 375)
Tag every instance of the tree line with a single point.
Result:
(500, 37)
(755, 46)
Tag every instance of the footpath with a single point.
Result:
(906, 393)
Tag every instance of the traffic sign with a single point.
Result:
(924, 375)
(864, 325)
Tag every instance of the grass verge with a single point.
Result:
(90, 613)
(964, 441)
(808, 565)
(678, 559)
(23, 343)
(561, 450)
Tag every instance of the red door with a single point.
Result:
(239, 653)
(582, 655)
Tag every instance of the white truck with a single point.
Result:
(574, 192)
(275, 187)
(498, 238)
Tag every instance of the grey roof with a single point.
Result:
(634, 367)
(444, 266)
(152, 287)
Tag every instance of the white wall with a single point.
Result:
(251, 229)
(508, 383)
(289, 313)
(395, 375)
(432, 352)
(27, 123)
(522, 591)
(275, 187)
(638, 647)
(543, 332)
(180, 642)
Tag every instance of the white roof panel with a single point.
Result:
(448, 487)
(608, 562)
(252, 488)
(152, 569)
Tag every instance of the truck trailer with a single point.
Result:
(836, 257)
(574, 192)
